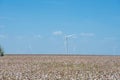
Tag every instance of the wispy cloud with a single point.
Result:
(87, 34)
(26, 37)
(57, 33)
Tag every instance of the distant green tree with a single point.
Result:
(1, 51)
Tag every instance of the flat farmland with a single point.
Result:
(59, 67)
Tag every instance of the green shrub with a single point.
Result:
(1, 52)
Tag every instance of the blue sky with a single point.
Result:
(39, 26)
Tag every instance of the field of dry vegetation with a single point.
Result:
(43, 67)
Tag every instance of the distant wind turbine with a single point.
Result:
(66, 38)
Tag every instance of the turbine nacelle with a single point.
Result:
(70, 36)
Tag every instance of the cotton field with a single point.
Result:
(56, 67)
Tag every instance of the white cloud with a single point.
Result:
(26, 37)
(57, 33)
(87, 34)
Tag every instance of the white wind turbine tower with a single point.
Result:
(66, 38)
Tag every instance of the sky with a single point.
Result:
(41, 26)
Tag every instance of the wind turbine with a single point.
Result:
(66, 38)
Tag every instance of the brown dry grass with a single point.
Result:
(36, 67)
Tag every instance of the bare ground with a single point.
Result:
(59, 67)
